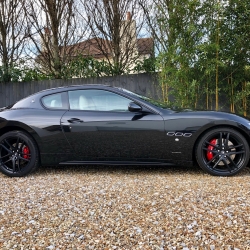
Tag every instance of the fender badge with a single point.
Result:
(179, 134)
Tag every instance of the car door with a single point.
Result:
(99, 127)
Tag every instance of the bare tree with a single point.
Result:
(115, 25)
(13, 33)
(54, 26)
(157, 14)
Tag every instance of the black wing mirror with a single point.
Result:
(133, 107)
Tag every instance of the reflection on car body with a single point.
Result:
(97, 124)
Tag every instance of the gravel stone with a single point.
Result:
(139, 207)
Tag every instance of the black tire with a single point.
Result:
(222, 152)
(18, 154)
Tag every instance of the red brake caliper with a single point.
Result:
(26, 152)
(210, 147)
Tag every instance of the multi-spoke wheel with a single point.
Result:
(18, 154)
(222, 152)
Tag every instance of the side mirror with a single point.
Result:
(133, 107)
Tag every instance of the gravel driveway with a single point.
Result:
(125, 208)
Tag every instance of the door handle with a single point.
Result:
(75, 120)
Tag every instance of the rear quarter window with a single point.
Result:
(55, 101)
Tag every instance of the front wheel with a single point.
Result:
(222, 152)
(18, 154)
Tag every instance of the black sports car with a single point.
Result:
(96, 124)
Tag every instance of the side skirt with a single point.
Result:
(119, 163)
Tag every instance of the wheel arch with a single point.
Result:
(11, 126)
(244, 133)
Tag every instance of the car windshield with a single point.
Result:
(156, 103)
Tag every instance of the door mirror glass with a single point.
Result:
(133, 107)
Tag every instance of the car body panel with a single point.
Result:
(151, 135)
(44, 127)
(116, 135)
(179, 126)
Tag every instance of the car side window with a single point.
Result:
(99, 100)
(54, 101)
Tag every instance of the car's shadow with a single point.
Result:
(131, 170)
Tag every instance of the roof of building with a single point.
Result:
(145, 46)
(97, 47)
(90, 47)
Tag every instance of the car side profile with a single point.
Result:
(99, 124)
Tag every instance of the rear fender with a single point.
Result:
(6, 126)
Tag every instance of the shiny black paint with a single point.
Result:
(65, 136)
(116, 135)
(44, 126)
(197, 122)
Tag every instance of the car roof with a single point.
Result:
(34, 99)
(73, 87)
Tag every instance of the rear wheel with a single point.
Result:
(222, 152)
(18, 154)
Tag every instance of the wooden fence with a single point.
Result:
(144, 84)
